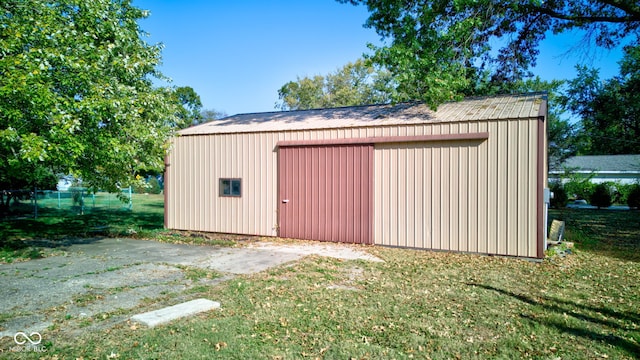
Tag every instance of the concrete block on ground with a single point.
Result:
(165, 315)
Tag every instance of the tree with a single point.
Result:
(561, 134)
(601, 196)
(32, 176)
(437, 49)
(560, 198)
(211, 114)
(76, 93)
(356, 83)
(610, 109)
(189, 113)
(633, 199)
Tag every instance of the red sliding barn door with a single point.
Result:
(326, 193)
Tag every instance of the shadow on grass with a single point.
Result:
(570, 308)
(606, 232)
(160, 206)
(61, 226)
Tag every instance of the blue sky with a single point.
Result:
(236, 54)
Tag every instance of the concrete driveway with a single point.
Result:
(96, 277)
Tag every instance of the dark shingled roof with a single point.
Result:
(604, 163)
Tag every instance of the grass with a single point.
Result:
(22, 239)
(605, 232)
(416, 304)
(53, 224)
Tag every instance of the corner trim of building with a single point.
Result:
(540, 185)
(165, 191)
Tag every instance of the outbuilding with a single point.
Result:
(468, 177)
(623, 169)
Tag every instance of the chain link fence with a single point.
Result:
(74, 201)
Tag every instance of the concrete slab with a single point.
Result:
(334, 250)
(165, 315)
(246, 260)
(90, 277)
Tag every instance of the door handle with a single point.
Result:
(285, 201)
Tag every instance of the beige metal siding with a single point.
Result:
(471, 195)
(466, 195)
(196, 163)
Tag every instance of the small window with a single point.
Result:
(230, 187)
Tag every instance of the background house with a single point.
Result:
(624, 169)
(469, 177)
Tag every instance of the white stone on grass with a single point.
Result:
(165, 315)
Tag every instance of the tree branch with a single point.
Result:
(633, 17)
(628, 8)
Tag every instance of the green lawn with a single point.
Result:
(147, 214)
(417, 304)
(56, 225)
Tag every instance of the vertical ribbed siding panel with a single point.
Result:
(436, 205)
(193, 186)
(221, 146)
(532, 195)
(524, 214)
(379, 199)
(453, 160)
(179, 166)
(216, 166)
(417, 210)
(334, 197)
(427, 200)
(502, 188)
(392, 200)
(201, 161)
(484, 172)
(251, 172)
(400, 202)
(463, 199)
(512, 187)
(186, 167)
(493, 188)
(473, 200)
(205, 196)
(423, 192)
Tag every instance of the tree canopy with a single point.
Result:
(356, 83)
(438, 49)
(189, 113)
(609, 110)
(76, 93)
(207, 115)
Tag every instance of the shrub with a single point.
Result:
(633, 198)
(140, 187)
(149, 186)
(560, 198)
(601, 196)
(154, 186)
(579, 187)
